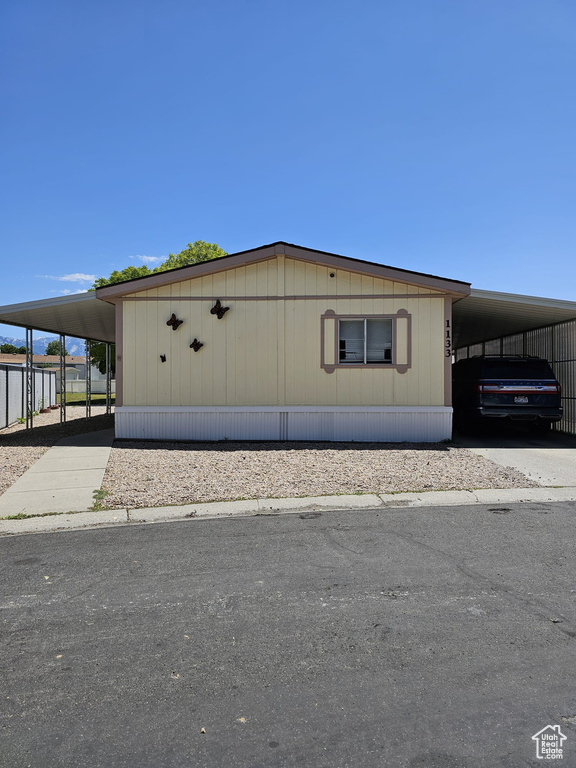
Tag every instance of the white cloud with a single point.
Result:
(74, 277)
(66, 292)
(148, 259)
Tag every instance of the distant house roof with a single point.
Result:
(53, 360)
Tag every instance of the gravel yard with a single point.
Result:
(141, 474)
(19, 449)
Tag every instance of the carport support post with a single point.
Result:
(108, 381)
(29, 384)
(62, 380)
(88, 380)
(553, 330)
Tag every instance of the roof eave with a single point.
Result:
(111, 293)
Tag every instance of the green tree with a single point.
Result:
(98, 356)
(118, 276)
(53, 348)
(194, 253)
(10, 349)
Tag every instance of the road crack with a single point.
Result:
(536, 607)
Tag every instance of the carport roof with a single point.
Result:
(481, 316)
(486, 315)
(81, 315)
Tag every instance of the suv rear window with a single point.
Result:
(517, 369)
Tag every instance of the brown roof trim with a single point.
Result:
(178, 275)
(381, 270)
(290, 297)
(265, 252)
(289, 247)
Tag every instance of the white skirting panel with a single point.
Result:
(387, 424)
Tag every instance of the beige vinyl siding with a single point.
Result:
(267, 351)
(259, 279)
(236, 366)
(285, 277)
(308, 384)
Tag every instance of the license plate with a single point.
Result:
(521, 399)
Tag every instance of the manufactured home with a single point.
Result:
(284, 343)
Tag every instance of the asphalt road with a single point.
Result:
(417, 638)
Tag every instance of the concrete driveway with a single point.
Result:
(549, 460)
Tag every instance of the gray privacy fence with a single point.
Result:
(555, 343)
(13, 391)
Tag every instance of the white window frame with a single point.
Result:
(365, 360)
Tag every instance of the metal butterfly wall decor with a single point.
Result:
(174, 322)
(219, 310)
(163, 358)
(196, 345)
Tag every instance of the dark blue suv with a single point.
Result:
(512, 388)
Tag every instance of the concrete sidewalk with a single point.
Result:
(63, 479)
(311, 505)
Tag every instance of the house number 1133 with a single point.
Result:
(448, 340)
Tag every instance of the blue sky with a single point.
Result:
(432, 135)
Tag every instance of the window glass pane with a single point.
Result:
(352, 341)
(379, 341)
